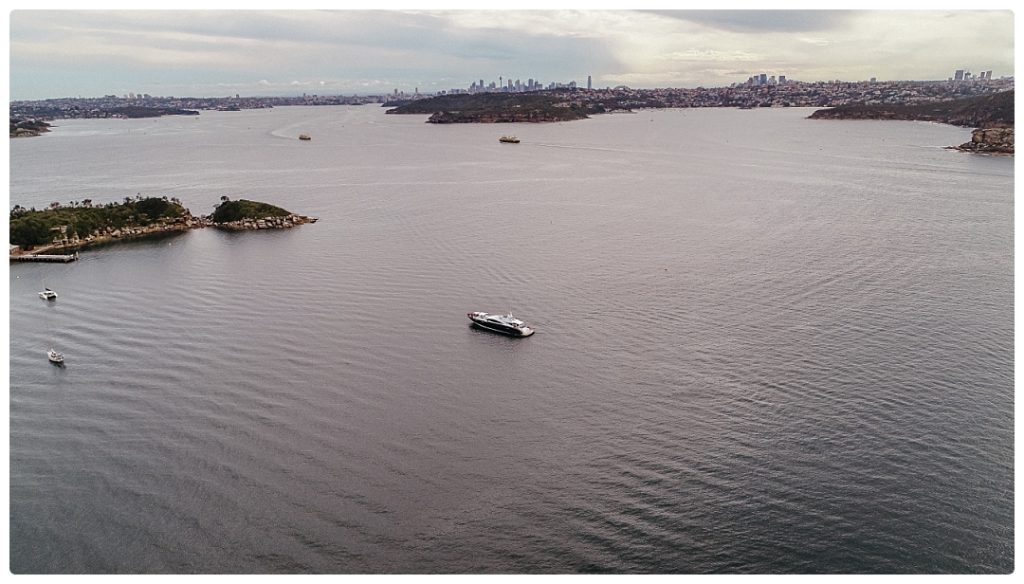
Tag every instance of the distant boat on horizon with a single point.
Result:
(509, 139)
(305, 137)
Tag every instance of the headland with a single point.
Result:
(992, 116)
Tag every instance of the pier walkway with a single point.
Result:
(45, 257)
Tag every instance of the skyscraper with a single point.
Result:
(590, 85)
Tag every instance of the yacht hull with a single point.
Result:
(501, 325)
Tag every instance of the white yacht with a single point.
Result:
(505, 324)
(55, 357)
(48, 294)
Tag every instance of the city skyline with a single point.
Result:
(216, 53)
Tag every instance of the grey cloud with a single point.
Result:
(423, 33)
(361, 27)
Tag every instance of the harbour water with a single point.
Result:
(765, 344)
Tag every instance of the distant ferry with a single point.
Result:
(305, 137)
(509, 139)
(504, 324)
(48, 294)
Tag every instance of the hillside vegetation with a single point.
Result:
(983, 111)
(493, 108)
(229, 211)
(30, 227)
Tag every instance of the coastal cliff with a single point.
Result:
(989, 141)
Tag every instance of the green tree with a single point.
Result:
(31, 230)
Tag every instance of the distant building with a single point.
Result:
(590, 85)
(959, 75)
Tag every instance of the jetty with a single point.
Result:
(42, 257)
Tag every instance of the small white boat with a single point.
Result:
(55, 357)
(48, 294)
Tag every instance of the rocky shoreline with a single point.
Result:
(28, 128)
(176, 225)
(285, 222)
(989, 141)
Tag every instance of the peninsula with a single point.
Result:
(82, 224)
(992, 115)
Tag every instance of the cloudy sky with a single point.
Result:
(287, 52)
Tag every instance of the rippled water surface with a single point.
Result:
(765, 344)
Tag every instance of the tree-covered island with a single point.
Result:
(497, 108)
(80, 224)
(243, 214)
